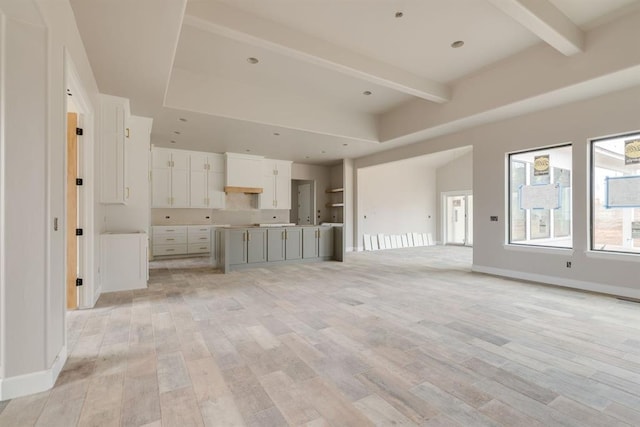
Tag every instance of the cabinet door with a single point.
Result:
(268, 196)
(283, 192)
(198, 194)
(325, 242)
(161, 188)
(160, 159)
(256, 245)
(237, 246)
(198, 161)
(112, 150)
(216, 163)
(179, 188)
(310, 242)
(293, 243)
(180, 160)
(275, 245)
(215, 190)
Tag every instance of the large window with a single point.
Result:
(615, 194)
(540, 197)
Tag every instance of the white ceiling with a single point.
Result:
(177, 59)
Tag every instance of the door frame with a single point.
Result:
(89, 292)
(443, 215)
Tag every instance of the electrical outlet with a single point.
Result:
(568, 264)
(493, 218)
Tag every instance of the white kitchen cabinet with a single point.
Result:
(206, 187)
(169, 178)
(181, 239)
(114, 114)
(124, 261)
(276, 185)
(243, 170)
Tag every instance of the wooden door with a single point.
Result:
(72, 211)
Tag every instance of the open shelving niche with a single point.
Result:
(337, 203)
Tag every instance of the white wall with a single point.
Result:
(36, 35)
(457, 175)
(577, 122)
(397, 198)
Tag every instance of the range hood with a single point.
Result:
(245, 190)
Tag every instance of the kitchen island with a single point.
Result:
(258, 246)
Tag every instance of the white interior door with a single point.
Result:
(304, 204)
(459, 219)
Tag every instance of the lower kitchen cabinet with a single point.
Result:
(284, 244)
(310, 242)
(317, 242)
(293, 243)
(246, 246)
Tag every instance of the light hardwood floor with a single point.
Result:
(399, 337)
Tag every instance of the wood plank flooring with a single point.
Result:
(406, 337)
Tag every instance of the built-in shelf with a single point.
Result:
(335, 205)
(334, 190)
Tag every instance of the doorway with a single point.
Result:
(458, 219)
(303, 197)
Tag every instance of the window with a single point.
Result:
(540, 197)
(615, 194)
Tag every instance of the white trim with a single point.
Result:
(559, 281)
(553, 250)
(3, 320)
(34, 382)
(613, 256)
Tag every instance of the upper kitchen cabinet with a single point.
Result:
(244, 173)
(114, 131)
(169, 178)
(276, 176)
(206, 181)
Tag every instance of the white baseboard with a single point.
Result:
(559, 281)
(35, 382)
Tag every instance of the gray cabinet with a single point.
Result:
(309, 242)
(247, 246)
(276, 245)
(293, 243)
(256, 245)
(284, 244)
(237, 247)
(325, 242)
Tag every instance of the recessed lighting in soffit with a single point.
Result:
(182, 119)
(399, 14)
(252, 60)
(276, 134)
(456, 44)
(367, 92)
(176, 132)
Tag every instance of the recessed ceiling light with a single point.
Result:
(172, 141)
(344, 145)
(306, 157)
(252, 60)
(456, 44)
(276, 134)
(323, 151)
(176, 132)
(367, 92)
(399, 14)
(247, 150)
(182, 119)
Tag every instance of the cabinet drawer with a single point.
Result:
(199, 248)
(198, 229)
(168, 229)
(169, 239)
(199, 238)
(159, 250)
